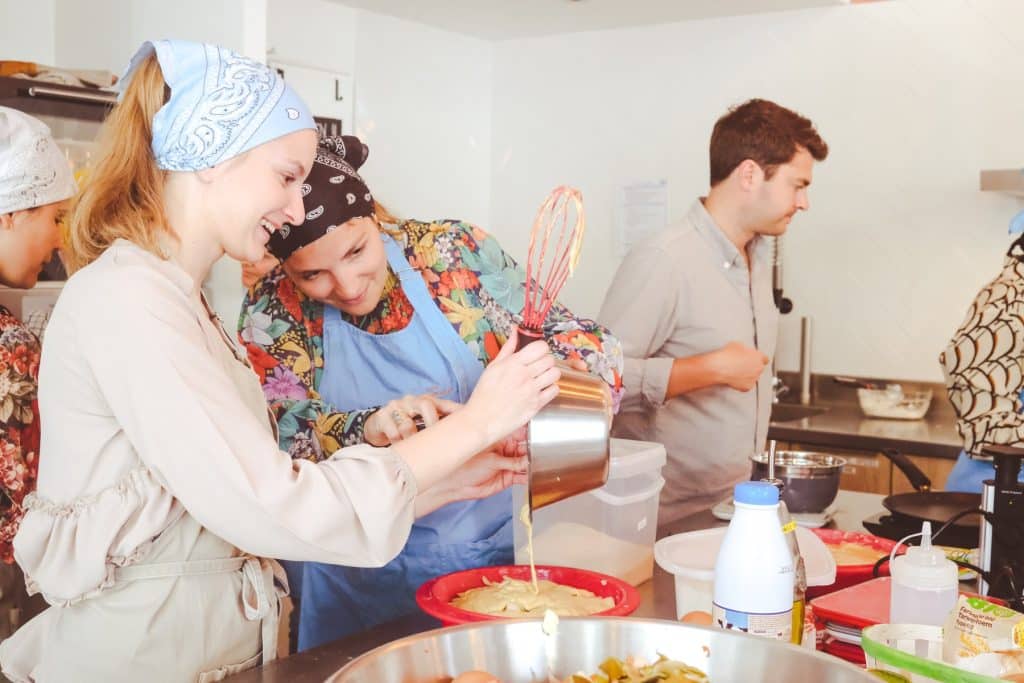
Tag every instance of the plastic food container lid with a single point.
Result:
(756, 493)
(627, 458)
(692, 555)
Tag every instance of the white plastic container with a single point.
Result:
(925, 584)
(753, 586)
(690, 558)
(609, 530)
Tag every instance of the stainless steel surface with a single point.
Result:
(57, 94)
(569, 440)
(779, 388)
(811, 480)
(988, 504)
(771, 459)
(805, 360)
(657, 601)
(520, 651)
(784, 412)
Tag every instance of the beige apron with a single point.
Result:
(174, 617)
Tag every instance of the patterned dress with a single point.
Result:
(984, 363)
(19, 424)
(477, 286)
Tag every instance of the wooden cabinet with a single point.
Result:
(936, 469)
(867, 472)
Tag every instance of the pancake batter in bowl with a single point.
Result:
(517, 598)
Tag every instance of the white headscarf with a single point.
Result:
(33, 171)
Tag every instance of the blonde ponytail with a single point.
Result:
(123, 193)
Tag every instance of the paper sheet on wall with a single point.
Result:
(641, 208)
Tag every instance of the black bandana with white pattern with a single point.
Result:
(333, 194)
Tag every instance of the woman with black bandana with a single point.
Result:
(367, 310)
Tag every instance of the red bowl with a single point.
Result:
(851, 574)
(434, 597)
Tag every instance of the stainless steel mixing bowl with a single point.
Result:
(811, 479)
(518, 651)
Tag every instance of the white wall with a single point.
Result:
(913, 97)
(26, 30)
(104, 34)
(423, 104)
(316, 33)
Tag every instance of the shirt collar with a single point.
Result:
(723, 248)
(122, 248)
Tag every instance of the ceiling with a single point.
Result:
(506, 19)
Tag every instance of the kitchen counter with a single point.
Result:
(843, 425)
(657, 601)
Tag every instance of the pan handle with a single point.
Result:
(918, 479)
(853, 382)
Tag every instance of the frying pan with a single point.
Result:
(937, 507)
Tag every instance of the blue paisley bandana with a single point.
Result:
(221, 104)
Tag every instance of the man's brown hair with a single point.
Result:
(763, 132)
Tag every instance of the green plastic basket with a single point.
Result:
(891, 647)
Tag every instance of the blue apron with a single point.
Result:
(968, 473)
(360, 370)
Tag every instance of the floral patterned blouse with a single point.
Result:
(19, 424)
(478, 287)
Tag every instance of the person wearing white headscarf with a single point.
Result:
(35, 185)
(162, 491)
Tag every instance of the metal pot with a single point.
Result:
(569, 440)
(519, 650)
(811, 479)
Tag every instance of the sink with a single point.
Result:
(784, 412)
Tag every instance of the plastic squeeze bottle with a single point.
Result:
(924, 583)
(753, 584)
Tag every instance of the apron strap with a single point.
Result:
(260, 596)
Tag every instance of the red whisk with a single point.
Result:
(555, 243)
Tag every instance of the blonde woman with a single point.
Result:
(161, 484)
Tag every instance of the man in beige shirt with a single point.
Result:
(693, 307)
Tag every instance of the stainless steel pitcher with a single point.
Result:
(569, 439)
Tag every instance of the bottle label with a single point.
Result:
(777, 625)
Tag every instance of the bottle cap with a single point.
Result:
(926, 566)
(756, 493)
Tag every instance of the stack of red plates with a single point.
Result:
(841, 616)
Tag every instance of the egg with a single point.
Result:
(697, 617)
(475, 677)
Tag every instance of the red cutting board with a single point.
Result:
(861, 605)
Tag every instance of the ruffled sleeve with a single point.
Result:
(185, 419)
(134, 338)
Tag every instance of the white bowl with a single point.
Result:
(894, 405)
(690, 557)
